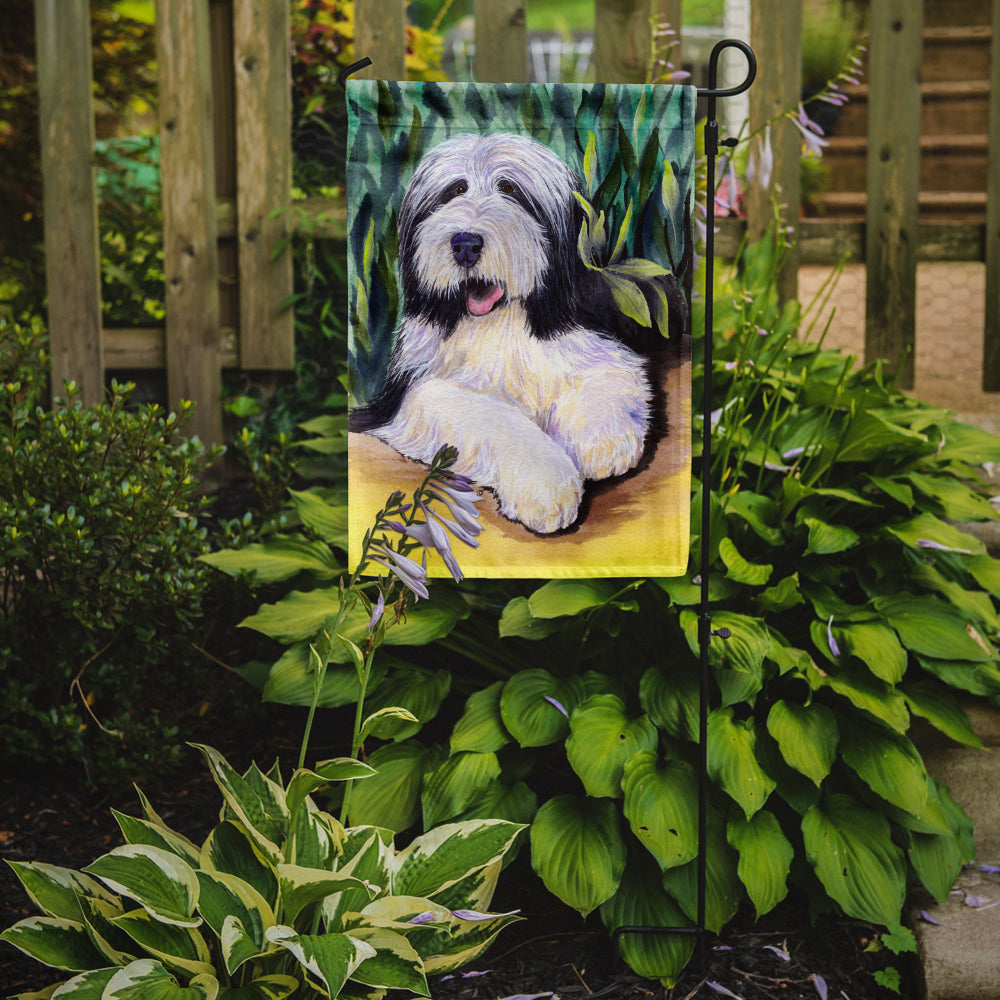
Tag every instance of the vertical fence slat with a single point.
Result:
(776, 35)
(380, 34)
(991, 333)
(621, 40)
(668, 12)
(72, 256)
(190, 252)
(501, 41)
(893, 183)
(261, 41)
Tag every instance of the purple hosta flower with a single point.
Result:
(989, 869)
(427, 917)
(377, 611)
(780, 952)
(465, 975)
(531, 996)
(719, 988)
(431, 535)
(475, 915)
(927, 543)
(834, 648)
(460, 500)
(552, 701)
(727, 197)
(760, 165)
(811, 132)
(820, 984)
(409, 572)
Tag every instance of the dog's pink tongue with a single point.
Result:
(481, 305)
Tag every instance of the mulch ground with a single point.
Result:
(550, 953)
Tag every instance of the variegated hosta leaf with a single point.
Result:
(98, 915)
(224, 898)
(329, 959)
(315, 838)
(765, 858)
(642, 902)
(395, 964)
(602, 738)
(177, 947)
(158, 880)
(56, 891)
(807, 736)
(441, 857)
(466, 941)
(304, 782)
(86, 986)
(149, 980)
(274, 987)
(732, 760)
(230, 849)
(851, 849)
(366, 855)
(578, 851)
(141, 831)
(661, 800)
(256, 801)
(54, 941)
(300, 887)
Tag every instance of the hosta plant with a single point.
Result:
(279, 900)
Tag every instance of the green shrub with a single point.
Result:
(99, 540)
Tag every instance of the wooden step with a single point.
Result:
(957, 206)
(956, 53)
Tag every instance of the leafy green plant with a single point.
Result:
(279, 899)
(101, 587)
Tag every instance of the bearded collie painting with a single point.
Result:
(529, 311)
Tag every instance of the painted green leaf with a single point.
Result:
(391, 798)
(54, 941)
(330, 958)
(765, 858)
(807, 736)
(577, 850)
(159, 881)
(180, 948)
(535, 706)
(888, 763)
(670, 698)
(641, 901)
(932, 628)
(558, 598)
(456, 784)
(56, 891)
(732, 760)
(738, 569)
(850, 848)
(279, 558)
(147, 979)
(481, 728)
(661, 806)
(601, 739)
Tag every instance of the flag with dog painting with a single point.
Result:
(519, 269)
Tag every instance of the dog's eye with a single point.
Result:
(456, 189)
(506, 187)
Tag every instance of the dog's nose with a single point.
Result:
(466, 248)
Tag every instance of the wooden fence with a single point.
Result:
(226, 160)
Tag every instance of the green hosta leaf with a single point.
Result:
(315, 839)
(159, 881)
(723, 889)
(517, 620)
(438, 859)
(850, 847)
(516, 803)
(456, 784)
(941, 709)
(765, 858)
(965, 443)
(569, 597)
(481, 728)
(230, 849)
(141, 831)
(671, 700)
(986, 571)
(177, 947)
(292, 679)
(738, 661)
(876, 646)
(932, 628)
(391, 798)
(641, 901)
(274, 987)
(957, 501)
(417, 690)
(304, 782)
(888, 763)
(732, 760)
(260, 809)
(56, 891)
(395, 964)
(661, 799)
(279, 558)
(937, 859)
(738, 569)
(783, 595)
(327, 520)
(54, 941)
(807, 736)
(330, 959)
(578, 851)
(976, 678)
(865, 692)
(301, 887)
(602, 738)
(147, 979)
(225, 897)
(870, 435)
(827, 539)
(928, 528)
(760, 512)
(238, 944)
(530, 706)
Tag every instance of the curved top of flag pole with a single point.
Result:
(712, 91)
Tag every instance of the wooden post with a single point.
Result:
(622, 40)
(893, 183)
(380, 34)
(776, 35)
(72, 255)
(501, 41)
(261, 40)
(190, 253)
(991, 333)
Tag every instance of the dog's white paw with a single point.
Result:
(545, 501)
(611, 453)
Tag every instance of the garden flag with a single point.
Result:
(519, 269)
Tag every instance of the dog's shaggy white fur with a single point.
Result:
(499, 352)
